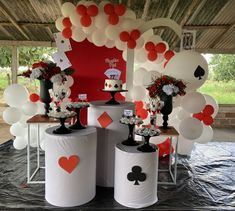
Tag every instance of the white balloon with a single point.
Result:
(120, 45)
(139, 22)
(17, 130)
(67, 8)
(23, 120)
(69, 81)
(78, 34)
(150, 76)
(41, 109)
(140, 56)
(185, 146)
(182, 114)
(130, 14)
(128, 24)
(29, 108)
(154, 38)
(139, 76)
(98, 37)
(190, 128)
(101, 21)
(207, 135)
(160, 58)
(112, 32)
(20, 143)
(15, 95)
(177, 101)
(58, 23)
(11, 115)
(189, 66)
(90, 29)
(138, 93)
(109, 43)
(75, 19)
(193, 102)
(139, 43)
(124, 55)
(211, 101)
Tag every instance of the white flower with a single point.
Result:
(169, 89)
(56, 79)
(175, 89)
(36, 73)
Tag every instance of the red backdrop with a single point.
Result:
(89, 62)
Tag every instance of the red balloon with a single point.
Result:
(139, 105)
(109, 9)
(143, 113)
(164, 148)
(81, 9)
(85, 20)
(120, 9)
(113, 19)
(165, 63)
(67, 33)
(66, 22)
(34, 97)
(160, 47)
(208, 120)
(168, 54)
(208, 110)
(92, 10)
(152, 56)
(131, 44)
(199, 116)
(135, 34)
(149, 46)
(124, 36)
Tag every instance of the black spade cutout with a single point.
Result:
(136, 175)
(199, 72)
(116, 86)
(62, 41)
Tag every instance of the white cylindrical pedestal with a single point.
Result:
(70, 162)
(109, 132)
(135, 182)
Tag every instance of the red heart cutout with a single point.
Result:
(69, 164)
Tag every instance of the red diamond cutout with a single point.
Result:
(104, 120)
(110, 85)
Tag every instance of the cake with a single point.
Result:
(112, 85)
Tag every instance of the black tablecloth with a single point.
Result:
(206, 181)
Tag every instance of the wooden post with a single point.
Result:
(14, 64)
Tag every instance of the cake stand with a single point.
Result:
(147, 133)
(62, 116)
(112, 101)
(77, 106)
(131, 121)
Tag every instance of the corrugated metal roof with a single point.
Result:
(213, 20)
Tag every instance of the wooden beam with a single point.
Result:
(225, 33)
(7, 32)
(14, 64)
(146, 9)
(28, 24)
(213, 50)
(11, 18)
(27, 43)
(49, 32)
(206, 27)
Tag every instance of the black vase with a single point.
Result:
(130, 140)
(78, 125)
(62, 129)
(146, 147)
(45, 97)
(166, 109)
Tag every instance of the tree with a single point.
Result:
(223, 67)
(27, 55)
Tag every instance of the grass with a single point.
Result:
(223, 92)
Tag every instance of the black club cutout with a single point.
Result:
(199, 72)
(62, 41)
(136, 175)
(61, 60)
(116, 86)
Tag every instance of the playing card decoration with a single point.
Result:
(62, 44)
(69, 164)
(112, 72)
(105, 120)
(136, 175)
(61, 60)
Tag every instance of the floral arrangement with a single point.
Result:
(47, 70)
(168, 85)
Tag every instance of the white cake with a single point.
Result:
(112, 85)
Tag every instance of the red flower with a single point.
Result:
(40, 64)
